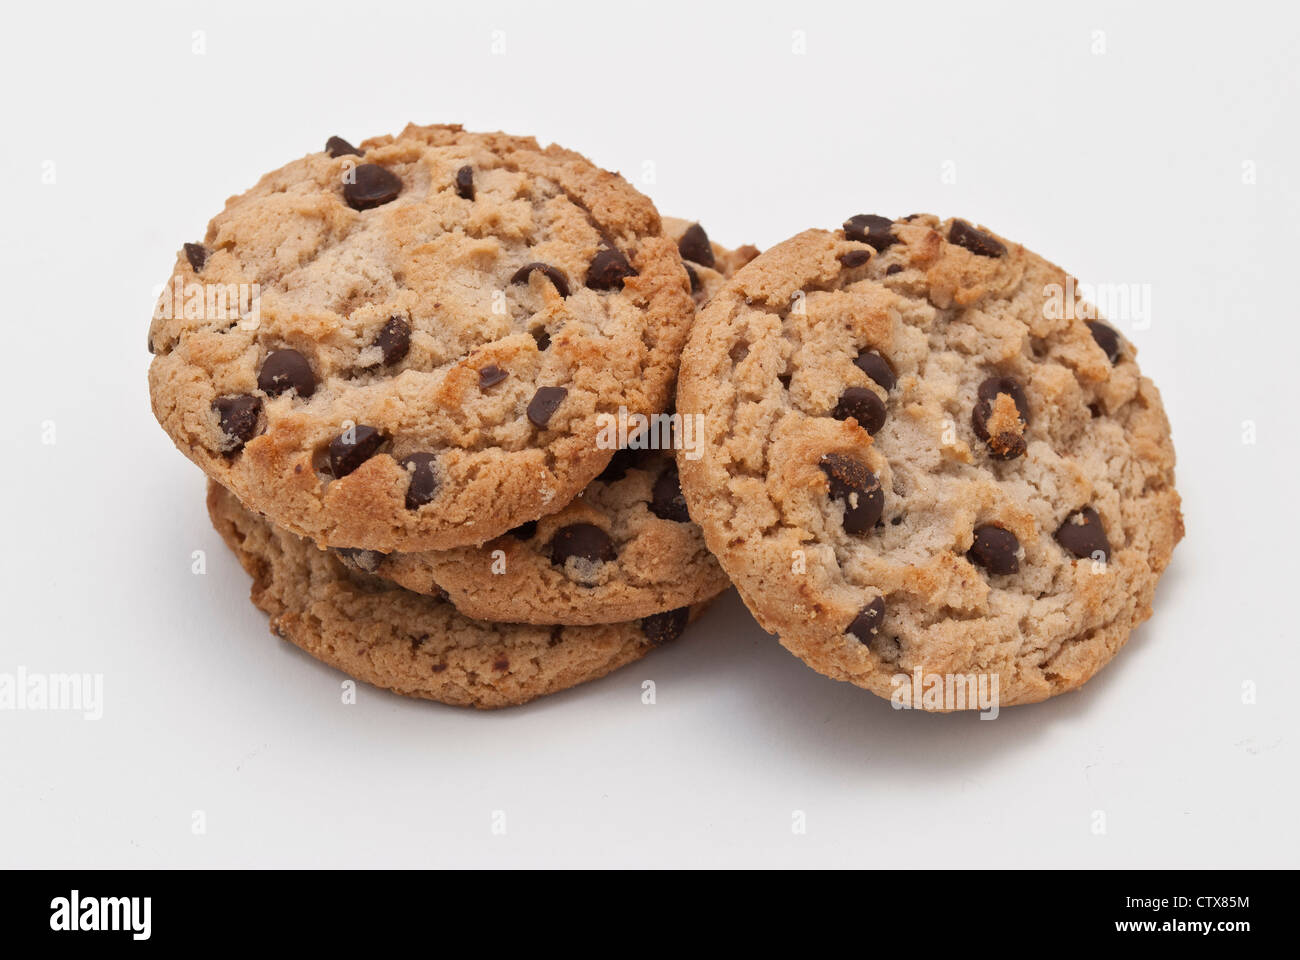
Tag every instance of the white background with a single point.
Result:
(1130, 165)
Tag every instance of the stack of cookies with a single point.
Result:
(442, 387)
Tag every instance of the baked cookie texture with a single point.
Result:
(920, 452)
(623, 549)
(417, 645)
(442, 315)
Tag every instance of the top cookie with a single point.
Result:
(431, 325)
(922, 452)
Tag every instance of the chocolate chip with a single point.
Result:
(465, 182)
(338, 147)
(353, 447)
(197, 255)
(694, 245)
(1106, 338)
(692, 276)
(542, 337)
(976, 241)
(371, 186)
(1006, 445)
(855, 258)
(866, 623)
(423, 485)
(1084, 535)
(394, 340)
(584, 541)
(995, 549)
(893, 268)
(525, 531)
(622, 461)
(238, 416)
(862, 404)
(553, 274)
(877, 368)
(608, 270)
(872, 229)
(857, 487)
(544, 403)
(490, 376)
(285, 370)
(661, 628)
(667, 502)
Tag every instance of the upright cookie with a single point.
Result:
(431, 325)
(624, 549)
(922, 453)
(416, 645)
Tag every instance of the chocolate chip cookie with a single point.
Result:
(922, 455)
(623, 550)
(417, 645)
(406, 344)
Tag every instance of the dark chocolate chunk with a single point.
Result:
(490, 376)
(465, 182)
(285, 370)
(353, 447)
(872, 229)
(585, 541)
(855, 258)
(995, 549)
(877, 368)
(976, 241)
(608, 270)
(866, 623)
(1006, 445)
(371, 186)
(862, 404)
(1106, 338)
(197, 255)
(544, 403)
(338, 147)
(667, 502)
(423, 485)
(858, 488)
(238, 416)
(394, 340)
(694, 245)
(1083, 535)
(692, 276)
(553, 274)
(661, 628)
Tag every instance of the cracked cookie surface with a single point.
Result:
(440, 318)
(416, 645)
(920, 452)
